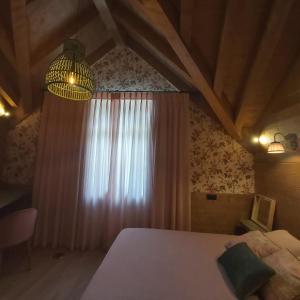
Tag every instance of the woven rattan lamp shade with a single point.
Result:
(69, 76)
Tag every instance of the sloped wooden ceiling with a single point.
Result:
(243, 56)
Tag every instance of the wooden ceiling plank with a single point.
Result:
(101, 51)
(40, 54)
(109, 21)
(159, 19)
(150, 39)
(225, 41)
(285, 100)
(270, 38)
(22, 49)
(157, 65)
(186, 20)
(6, 47)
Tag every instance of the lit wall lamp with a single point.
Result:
(3, 112)
(276, 146)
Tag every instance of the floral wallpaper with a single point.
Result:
(218, 163)
(123, 70)
(20, 152)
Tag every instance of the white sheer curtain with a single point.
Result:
(118, 152)
(118, 163)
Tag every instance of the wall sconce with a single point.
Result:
(276, 146)
(3, 112)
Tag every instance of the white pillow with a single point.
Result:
(285, 240)
(285, 285)
(256, 241)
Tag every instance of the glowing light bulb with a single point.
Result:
(71, 78)
(6, 114)
(264, 140)
(255, 140)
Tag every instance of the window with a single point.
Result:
(118, 151)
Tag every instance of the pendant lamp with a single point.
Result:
(69, 76)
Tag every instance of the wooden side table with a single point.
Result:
(249, 225)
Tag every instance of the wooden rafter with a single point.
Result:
(8, 82)
(6, 47)
(58, 36)
(157, 65)
(7, 98)
(186, 20)
(285, 100)
(249, 109)
(150, 39)
(159, 19)
(108, 20)
(224, 52)
(22, 50)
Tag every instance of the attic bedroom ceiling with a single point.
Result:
(238, 54)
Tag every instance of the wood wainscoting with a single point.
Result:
(221, 215)
(278, 177)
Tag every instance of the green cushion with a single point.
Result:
(246, 272)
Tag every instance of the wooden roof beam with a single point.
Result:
(8, 91)
(22, 50)
(248, 111)
(154, 11)
(285, 100)
(150, 39)
(224, 52)
(157, 65)
(186, 20)
(6, 47)
(109, 21)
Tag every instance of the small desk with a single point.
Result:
(12, 199)
(8, 197)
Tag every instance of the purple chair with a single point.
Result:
(17, 228)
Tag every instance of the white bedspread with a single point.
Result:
(151, 264)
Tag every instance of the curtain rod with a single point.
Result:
(143, 91)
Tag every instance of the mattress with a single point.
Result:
(153, 264)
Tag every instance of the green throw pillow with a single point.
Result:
(246, 272)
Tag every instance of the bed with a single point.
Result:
(153, 264)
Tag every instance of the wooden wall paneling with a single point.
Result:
(279, 178)
(221, 215)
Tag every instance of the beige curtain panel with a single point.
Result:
(120, 160)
